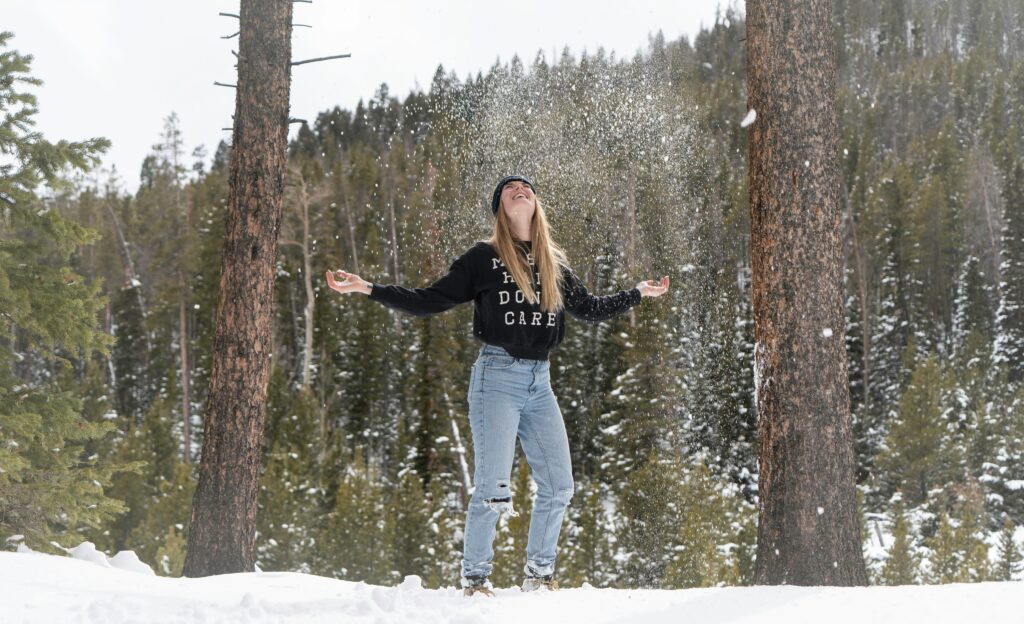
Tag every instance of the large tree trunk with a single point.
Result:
(808, 522)
(222, 533)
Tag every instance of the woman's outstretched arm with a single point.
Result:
(456, 287)
(593, 309)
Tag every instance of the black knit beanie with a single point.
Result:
(496, 199)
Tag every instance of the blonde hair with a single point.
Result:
(547, 255)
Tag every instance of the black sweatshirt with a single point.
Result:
(503, 317)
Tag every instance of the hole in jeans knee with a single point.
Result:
(501, 505)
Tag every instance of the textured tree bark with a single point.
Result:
(223, 527)
(808, 520)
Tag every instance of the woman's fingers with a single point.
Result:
(340, 280)
(657, 287)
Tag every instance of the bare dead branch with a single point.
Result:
(232, 35)
(234, 15)
(322, 58)
(222, 84)
(292, 120)
(302, 25)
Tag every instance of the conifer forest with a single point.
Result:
(109, 301)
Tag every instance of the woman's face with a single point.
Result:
(517, 200)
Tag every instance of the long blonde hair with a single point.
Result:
(548, 256)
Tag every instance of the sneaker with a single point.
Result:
(536, 582)
(476, 585)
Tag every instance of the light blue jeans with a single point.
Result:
(508, 398)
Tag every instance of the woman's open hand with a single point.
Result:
(349, 282)
(651, 288)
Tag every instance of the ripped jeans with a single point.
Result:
(508, 398)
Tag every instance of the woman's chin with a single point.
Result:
(516, 215)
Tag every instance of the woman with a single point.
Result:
(519, 320)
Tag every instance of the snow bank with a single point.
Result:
(36, 588)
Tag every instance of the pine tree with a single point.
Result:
(444, 553)
(970, 536)
(153, 447)
(707, 519)
(972, 308)
(290, 507)
(222, 532)
(1009, 562)
(724, 425)
(902, 563)
(164, 240)
(1009, 342)
(588, 547)
(913, 458)
(586, 381)
(1006, 464)
(945, 559)
(133, 386)
(409, 514)
(353, 543)
(886, 376)
(648, 399)
(648, 512)
(802, 392)
(159, 540)
(49, 490)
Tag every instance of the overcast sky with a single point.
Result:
(118, 68)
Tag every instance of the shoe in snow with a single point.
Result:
(532, 583)
(476, 585)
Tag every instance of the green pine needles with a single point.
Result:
(51, 485)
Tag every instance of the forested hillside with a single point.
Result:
(640, 163)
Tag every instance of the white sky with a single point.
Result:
(117, 68)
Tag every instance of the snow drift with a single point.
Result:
(87, 586)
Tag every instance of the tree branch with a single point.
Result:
(322, 58)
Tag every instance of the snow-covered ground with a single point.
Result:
(87, 586)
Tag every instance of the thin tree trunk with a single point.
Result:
(460, 449)
(389, 198)
(185, 404)
(131, 277)
(307, 273)
(223, 527)
(110, 357)
(861, 276)
(349, 221)
(808, 520)
(303, 242)
(632, 262)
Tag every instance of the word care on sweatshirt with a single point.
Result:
(503, 316)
